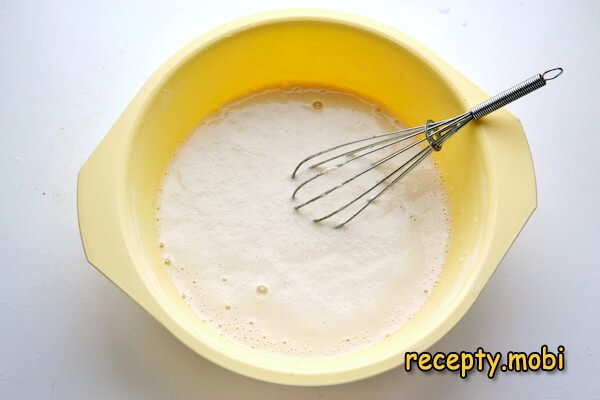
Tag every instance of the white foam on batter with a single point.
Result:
(268, 277)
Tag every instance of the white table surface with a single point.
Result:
(68, 70)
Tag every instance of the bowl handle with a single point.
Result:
(101, 223)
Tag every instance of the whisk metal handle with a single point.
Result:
(514, 93)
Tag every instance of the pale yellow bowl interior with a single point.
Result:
(308, 49)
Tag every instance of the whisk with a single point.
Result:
(435, 134)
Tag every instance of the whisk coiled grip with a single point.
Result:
(514, 93)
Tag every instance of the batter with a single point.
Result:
(265, 275)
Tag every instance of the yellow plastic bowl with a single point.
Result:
(487, 168)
